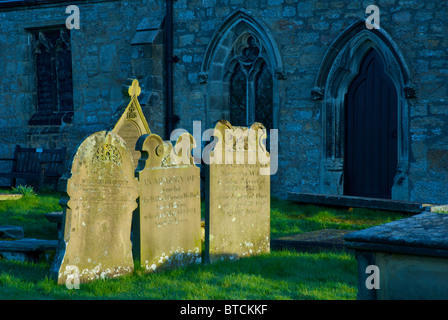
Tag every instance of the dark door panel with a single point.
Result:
(371, 109)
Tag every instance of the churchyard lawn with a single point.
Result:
(278, 275)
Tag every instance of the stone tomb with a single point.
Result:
(131, 124)
(409, 259)
(102, 194)
(237, 221)
(167, 227)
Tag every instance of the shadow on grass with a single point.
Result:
(25, 271)
(289, 218)
(279, 275)
(275, 276)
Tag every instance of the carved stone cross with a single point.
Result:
(134, 90)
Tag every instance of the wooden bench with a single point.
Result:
(35, 165)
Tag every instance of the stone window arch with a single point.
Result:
(338, 69)
(242, 69)
(250, 84)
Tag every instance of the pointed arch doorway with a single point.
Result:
(341, 65)
(371, 124)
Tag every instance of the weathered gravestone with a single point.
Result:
(131, 123)
(167, 227)
(101, 193)
(237, 221)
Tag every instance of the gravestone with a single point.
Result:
(237, 221)
(101, 194)
(167, 227)
(131, 124)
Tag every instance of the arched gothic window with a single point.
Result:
(242, 69)
(250, 85)
(238, 97)
(264, 96)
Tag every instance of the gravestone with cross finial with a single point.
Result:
(131, 124)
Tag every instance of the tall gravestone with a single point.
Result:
(167, 228)
(101, 195)
(131, 123)
(237, 221)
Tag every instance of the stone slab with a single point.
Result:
(55, 217)
(327, 239)
(28, 245)
(9, 196)
(422, 234)
(411, 256)
(28, 249)
(11, 233)
(352, 201)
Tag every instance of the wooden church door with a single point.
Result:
(371, 111)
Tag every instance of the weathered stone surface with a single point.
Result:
(55, 217)
(326, 239)
(424, 233)
(360, 202)
(101, 193)
(11, 233)
(411, 277)
(167, 229)
(28, 249)
(411, 256)
(132, 123)
(237, 195)
(28, 245)
(300, 32)
(9, 196)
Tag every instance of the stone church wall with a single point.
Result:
(300, 32)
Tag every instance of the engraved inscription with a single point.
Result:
(170, 216)
(240, 182)
(170, 201)
(99, 190)
(240, 201)
(238, 206)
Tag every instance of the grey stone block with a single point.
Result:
(11, 233)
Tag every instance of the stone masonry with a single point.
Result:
(107, 50)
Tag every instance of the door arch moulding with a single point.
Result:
(338, 69)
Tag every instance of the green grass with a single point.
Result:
(29, 213)
(281, 275)
(275, 276)
(288, 218)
